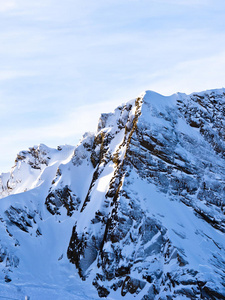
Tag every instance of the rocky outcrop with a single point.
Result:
(30, 166)
(63, 197)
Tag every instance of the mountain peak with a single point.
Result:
(138, 207)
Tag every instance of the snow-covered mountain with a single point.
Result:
(137, 211)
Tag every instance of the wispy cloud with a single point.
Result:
(13, 74)
(185, 2)
(67, 130)
(7, 5)
(208, 71)
(61, 61)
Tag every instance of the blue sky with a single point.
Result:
(62, 63)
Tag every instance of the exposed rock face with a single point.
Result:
(143, 199)
(63, 197)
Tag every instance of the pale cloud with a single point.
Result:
(12, 74)
(65, 62)
(209, 73)
(7, 5)
(186, 2)
(82, 119)
(67, 130)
